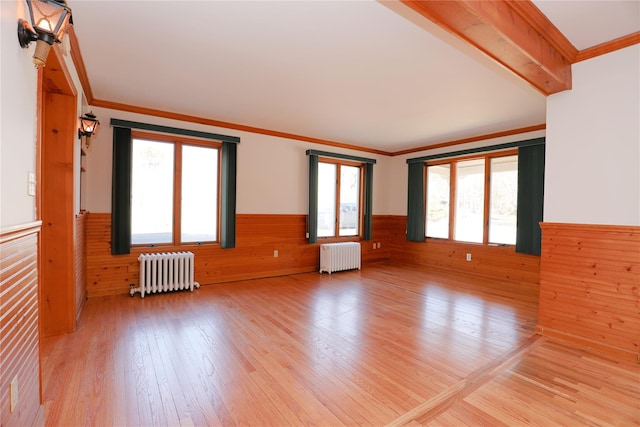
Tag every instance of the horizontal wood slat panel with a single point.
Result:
(495, 261)
(590, 285)
(19, 346)
(257, 238)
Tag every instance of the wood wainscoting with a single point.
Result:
(19, 337)
(502, 262)
(257, 237)
(80, 261)
(590, 286)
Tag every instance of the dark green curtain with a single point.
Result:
(530, 199)
(415, 203)
(121, 192)
(312, 222)
(368, 200)
(228, 195)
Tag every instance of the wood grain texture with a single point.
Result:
(80, 261)
(514, 34)
(58, 304)
(396, 345)
(484, 137)
(554, 384)
(495, 261)
(607, 47)
(253, 257)
(590, 286)
(19, 343)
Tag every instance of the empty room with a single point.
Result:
(248, 213)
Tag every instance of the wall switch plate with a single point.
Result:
(275, 253)
(31, 184)
(468, 257)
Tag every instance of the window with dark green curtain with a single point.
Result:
(312, 220)
(531, 164)
(415, 203)
(121, 192)
(121, 182)
(368, 201)
(530, 191)
(228, 196)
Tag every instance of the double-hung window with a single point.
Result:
(174, 190)
(339, 198)
(473, 199)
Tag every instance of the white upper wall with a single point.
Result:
(18, 88)
(272, 174)
(592, 171)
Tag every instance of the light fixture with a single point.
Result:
(88, 126)
(49, 20)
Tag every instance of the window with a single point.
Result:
(469, 196)
(174, 190)
(438, 191)
(504, 200)
(339, 198)
(484, 210)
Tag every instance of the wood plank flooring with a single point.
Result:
(387, 345)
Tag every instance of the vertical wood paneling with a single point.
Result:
(495, 261)
(80, 261)
(590, 286)
(253, 257)
(58, 305)
(259, 235)
(19, 347)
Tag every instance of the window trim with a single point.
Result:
(367, 186)
(361, 166)
(178, 142)
(453, 161)
(121, 182)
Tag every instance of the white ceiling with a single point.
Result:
(355, 72)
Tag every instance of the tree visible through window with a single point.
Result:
(174, 191)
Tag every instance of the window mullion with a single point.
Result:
(337, 223)
(177, 193)
(452, 198)
(487, 201)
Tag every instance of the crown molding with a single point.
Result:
(484, 137)
(608, 47)
(229, 125)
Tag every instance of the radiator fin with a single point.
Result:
(165, 272)
(339, 256)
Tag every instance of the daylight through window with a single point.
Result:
(485, 193)
(174, 191)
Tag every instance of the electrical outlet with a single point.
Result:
(275, 253)
(374, 245)
(14, 394)
(379, 245)
(468, 257)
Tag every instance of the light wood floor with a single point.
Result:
(386, 345)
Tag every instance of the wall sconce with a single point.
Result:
(88, 126)
(49, 20)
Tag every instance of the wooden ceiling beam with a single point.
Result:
(514, 33)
